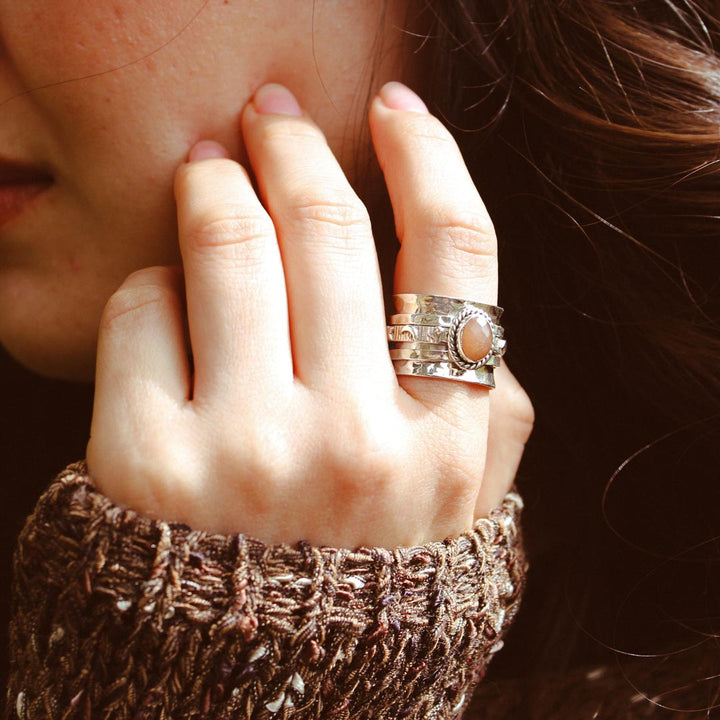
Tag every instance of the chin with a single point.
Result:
(71, 362)
(50, 326)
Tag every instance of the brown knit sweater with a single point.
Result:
(117, 616)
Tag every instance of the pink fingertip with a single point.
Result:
(397, 96)
(206, 149)
(274, 99)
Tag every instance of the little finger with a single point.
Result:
(511, 422)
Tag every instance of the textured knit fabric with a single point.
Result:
(117, 616)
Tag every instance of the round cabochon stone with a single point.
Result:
(476, 338)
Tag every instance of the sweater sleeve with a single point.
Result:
(119, 616)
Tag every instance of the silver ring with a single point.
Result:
(447, 371)
(434, 329)
(412, 304)
(427, 338)
(425, 352)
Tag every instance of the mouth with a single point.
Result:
(20, 184)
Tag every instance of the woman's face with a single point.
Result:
(103, 100)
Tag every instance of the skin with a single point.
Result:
(330, 447)
(114, 141)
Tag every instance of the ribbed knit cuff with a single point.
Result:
(118, 616)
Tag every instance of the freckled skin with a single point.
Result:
(120, 93)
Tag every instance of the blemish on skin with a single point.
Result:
(75, 265)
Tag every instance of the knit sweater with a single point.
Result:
(119, 616)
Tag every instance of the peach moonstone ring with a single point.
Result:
(443, 337)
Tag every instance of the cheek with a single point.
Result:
(156, 78)
(52, 42)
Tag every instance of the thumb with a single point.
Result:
(511, 422)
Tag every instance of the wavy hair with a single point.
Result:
(592, 128)
(614, 107)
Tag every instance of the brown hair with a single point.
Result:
(615, 109)
(593, 131)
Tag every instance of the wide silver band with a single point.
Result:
(426, 337)
(431, 354)
(446, 371)
(411, 304)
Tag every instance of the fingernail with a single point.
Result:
(397, 96)
(275, 99)
(207, 149)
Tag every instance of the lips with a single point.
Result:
(20, 184)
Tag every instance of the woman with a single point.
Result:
(282, 381)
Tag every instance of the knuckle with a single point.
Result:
(466, 234)
(153, 458)
(293, 132)
(361, 458)
(161, 275)
(262, 454)
(344, 220)
(521, 409)
(420, 129)
(462, 465)
(130, 300)
(460, 480)
(228, 227)
(145, 471)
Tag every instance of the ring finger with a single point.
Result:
(447, 240)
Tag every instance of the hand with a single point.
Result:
(293, 425)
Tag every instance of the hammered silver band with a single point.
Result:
(426, 336)
(411, 304)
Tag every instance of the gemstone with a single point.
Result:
(476, 338)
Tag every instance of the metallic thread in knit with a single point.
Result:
(118, 616)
